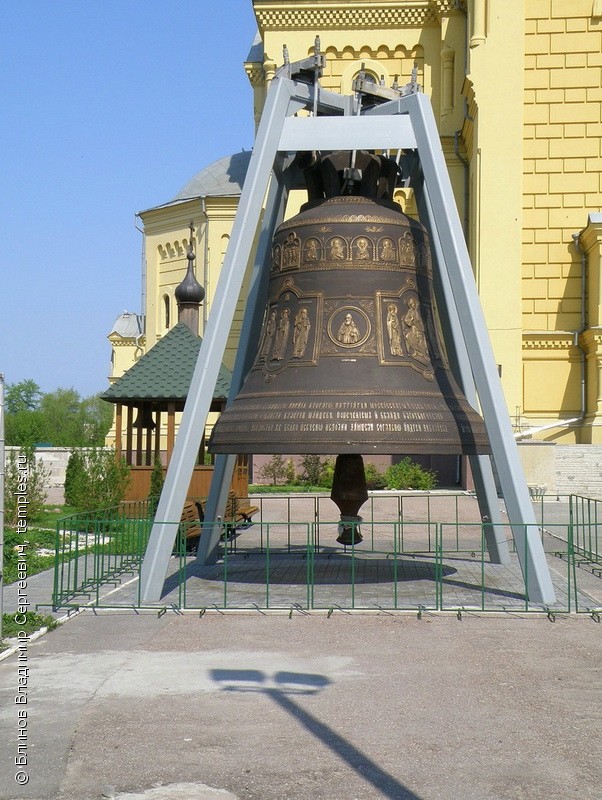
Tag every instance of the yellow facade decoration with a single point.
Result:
(516, 89)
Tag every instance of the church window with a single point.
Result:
(224, 246)
(368, 76)
(166, 311)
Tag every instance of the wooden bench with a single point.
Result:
(190, 520)
(235, 519)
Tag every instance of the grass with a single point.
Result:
(41, 534)
(35, 564)
(49, 516)
(33, 622)
(285, 488)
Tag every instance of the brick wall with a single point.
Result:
(579, 469)
(561, 156)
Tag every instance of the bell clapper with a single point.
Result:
(349, 492)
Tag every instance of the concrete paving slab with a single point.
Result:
(267, 707)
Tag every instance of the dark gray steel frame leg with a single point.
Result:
(251, 327)
(156, 560)
(489, 506)
(529, 547)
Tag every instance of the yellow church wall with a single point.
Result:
(125, 353)
(546, 354)
(362, 32)
(561, 179)
(167, 235)
(493, 136)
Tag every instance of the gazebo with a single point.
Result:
(157, 385)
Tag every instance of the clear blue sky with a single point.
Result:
(109, 108)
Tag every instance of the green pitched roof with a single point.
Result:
(165, 371)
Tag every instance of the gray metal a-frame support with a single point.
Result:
(405, 123)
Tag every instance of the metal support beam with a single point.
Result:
(279, 105)
(249, 336)
(466, 300)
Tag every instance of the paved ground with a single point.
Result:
(263, 706)
(341, 707)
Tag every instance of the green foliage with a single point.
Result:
(274, 470)
(61, 418)
(30, 540)
(374, 479)
(36, 538)
(25, 428)
(314, 472)
(156, 485)
(408, 475)
(98, 480)
(327, 473)
(291, 474)
(263, 488)
(74, 477)
(33, 622)
(35, 563)
(96, 421)
(23, 396)
(25, 477)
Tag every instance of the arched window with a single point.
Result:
(166, 311)
(373, 72)
(370, 77)
(224, 246)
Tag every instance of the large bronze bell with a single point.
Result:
(350, 359)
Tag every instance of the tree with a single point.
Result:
(291, 474)
(61, 418)
(23, 396)
(25, 428)
(97, 419)
(25, 480)
(75, 475)
(98, 480)
(156, 484)
(62, 411)
(313, 468)
(274, 470)
(408, 475)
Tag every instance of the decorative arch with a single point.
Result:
(372, 67)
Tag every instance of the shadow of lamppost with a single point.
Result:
(282, 688)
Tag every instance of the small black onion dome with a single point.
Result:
(190, 290)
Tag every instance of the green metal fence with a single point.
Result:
(94, 548)
(409, 561)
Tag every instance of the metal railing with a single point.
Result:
(409, 559)
(93, 548)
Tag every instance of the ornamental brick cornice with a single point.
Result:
(592, 234)
(592, 339)
(255, 73)
(548, 340)
(358, 14)
(126, 341)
